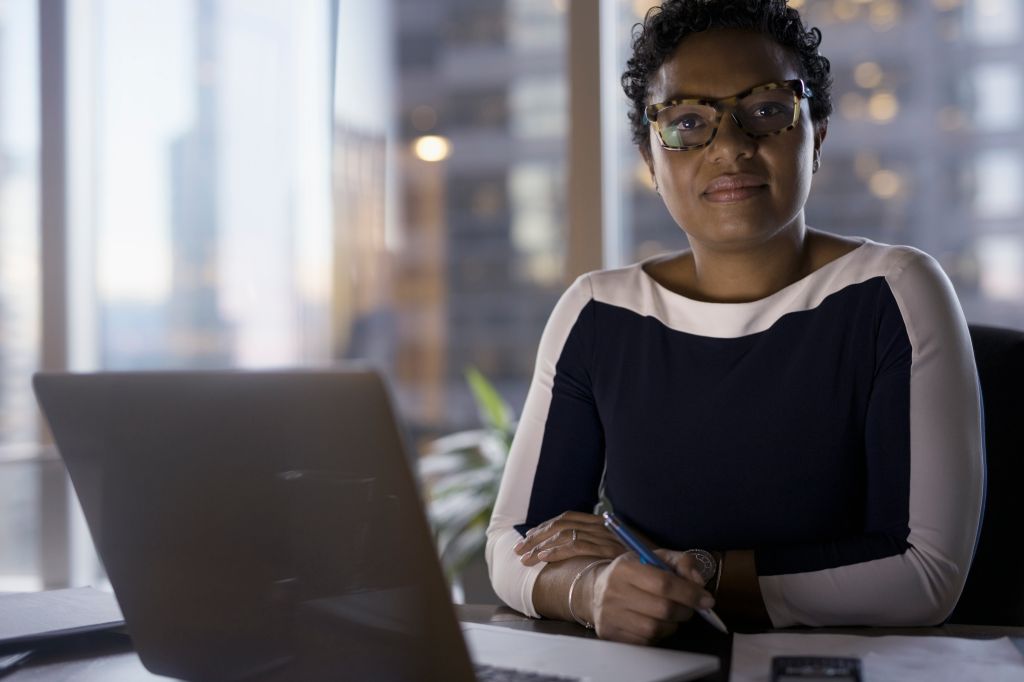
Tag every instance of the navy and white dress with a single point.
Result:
(834, 427)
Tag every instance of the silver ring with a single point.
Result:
(573, 536)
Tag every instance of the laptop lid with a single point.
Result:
(258, 525)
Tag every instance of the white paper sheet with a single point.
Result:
(884, 659)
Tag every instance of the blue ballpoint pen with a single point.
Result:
(647, 556)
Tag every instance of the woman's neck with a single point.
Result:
(739, 276)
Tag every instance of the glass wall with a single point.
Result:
(925, 147)
(449, 194)
(19, 294)
(200, 183)
(926, 144)
(241, 195)
(199, 191)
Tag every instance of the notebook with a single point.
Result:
(267, 526)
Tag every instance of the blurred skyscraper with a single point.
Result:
(197, 205)
(18, 273)
(925, 146)
(19, 296)
(476, 258)
(6, 377)
(198, 332)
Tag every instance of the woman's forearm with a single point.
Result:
(738, 602)
(551, 591)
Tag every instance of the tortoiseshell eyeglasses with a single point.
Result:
(769, 109)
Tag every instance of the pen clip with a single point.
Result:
(633, 543)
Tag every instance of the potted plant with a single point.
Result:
(461, 474)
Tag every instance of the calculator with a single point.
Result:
(815, 669)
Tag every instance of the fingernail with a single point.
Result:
(706, 602)
(697, 577)
(543, 553)
(519, 545)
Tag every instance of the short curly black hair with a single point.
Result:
(664, 27)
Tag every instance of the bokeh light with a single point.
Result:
(432, 148)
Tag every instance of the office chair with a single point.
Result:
(994, 593)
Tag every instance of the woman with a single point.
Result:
(793, 415)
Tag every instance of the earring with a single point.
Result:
(816, 164)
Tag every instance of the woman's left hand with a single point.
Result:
(568, 535)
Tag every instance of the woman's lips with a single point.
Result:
(730, 187)
(724, 196)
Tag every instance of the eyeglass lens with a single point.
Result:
(759, 113)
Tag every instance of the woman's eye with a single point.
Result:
(688, 122)
(766, 110)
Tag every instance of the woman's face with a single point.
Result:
(717, 64)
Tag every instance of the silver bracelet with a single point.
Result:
(718, 574)
(572, 588)
(708, 565)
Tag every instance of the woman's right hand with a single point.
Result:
(640, 604)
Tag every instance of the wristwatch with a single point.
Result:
(707, 565)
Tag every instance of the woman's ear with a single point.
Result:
(820, 131)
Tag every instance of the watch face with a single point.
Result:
(706, 563)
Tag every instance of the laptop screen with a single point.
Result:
(258, 525)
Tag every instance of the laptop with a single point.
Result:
(268, 526)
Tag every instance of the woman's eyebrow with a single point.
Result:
(679, 95)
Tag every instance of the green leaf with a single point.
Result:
(473, 481)
(465, 547)
(448, 545)
(443, 464)
(494, 448)
(494, 411)
(462, 474)
(462, 441)
(450, 513)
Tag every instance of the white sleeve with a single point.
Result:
(512, 581)
(921, 585)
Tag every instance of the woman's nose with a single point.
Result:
(731, 142)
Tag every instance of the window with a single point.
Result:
(205, 228)
(998, 97)
(202, 191)
(460, 260)
(1001, 260)
(402, 198)
(19, 296)
(995, 22)
(999, 178)
(199, 205)
(924, 146)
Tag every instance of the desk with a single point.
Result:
(109, 656)
(704, 639)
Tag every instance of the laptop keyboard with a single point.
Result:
(490, 673)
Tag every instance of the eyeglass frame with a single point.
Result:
(797, 86)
